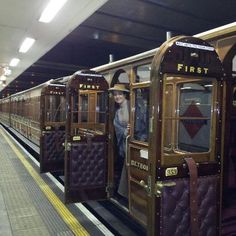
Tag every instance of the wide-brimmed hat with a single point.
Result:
(119, 87)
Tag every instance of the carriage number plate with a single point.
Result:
(171, 171)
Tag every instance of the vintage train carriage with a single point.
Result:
(225, 45)
(39, 115)
(86, 155)
(135, 71)
(5, 111)
(174, 160)
(52, 126)
(25, 113)
(184, 161)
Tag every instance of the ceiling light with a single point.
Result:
(7, 71)
(14, 62)
(51, 10)
(26, 45)
(3, 78)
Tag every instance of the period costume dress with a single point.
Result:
(120, 122)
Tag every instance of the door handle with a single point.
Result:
(160, 185)
(127, 161)
(147, 187)
(67, 146)
(143, 184)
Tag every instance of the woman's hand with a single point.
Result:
(128, 129)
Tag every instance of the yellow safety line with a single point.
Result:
(68, 218)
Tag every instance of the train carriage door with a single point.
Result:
(183, 186)
(228, 57)
(52, 106)
(137, 158)
(86, 158)
(116, 164)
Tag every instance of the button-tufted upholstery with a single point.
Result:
(175, 207)
(88, 164)
(53, 148)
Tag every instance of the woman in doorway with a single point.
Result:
(121, 125)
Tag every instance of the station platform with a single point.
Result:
(32, 203)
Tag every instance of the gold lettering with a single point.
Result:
(88, 86)
(179, 67)
(192, 69)
(171, 171)
(199, 70)
(205, 70)
(139, 165)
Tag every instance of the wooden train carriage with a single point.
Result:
(135, 71)
(39, 115)
(52, 126)
(5, 111)
(25, 113)
(184, 162)
(86, 156)
(225, 45)
(174, 161)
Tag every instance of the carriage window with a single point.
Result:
(101, 107)
(92, 107)
(74, 108)
(187, 116)
(234, 96)
(123, 78)
(195, 100)
(143, 73)
(234, 66)
(55, 108)
(141, 114)
(83, 108)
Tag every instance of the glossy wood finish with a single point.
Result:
(86, 157)
(166, 61)
(53, 129)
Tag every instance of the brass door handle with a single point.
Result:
(127, 160)
(145, 186)
(160, 185)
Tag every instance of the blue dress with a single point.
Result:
(121, 134)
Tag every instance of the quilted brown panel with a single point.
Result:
(52, 143)
(175, 207)
(87, 164)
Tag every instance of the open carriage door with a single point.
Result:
(86, 137)
(52, 118)
(184, 162)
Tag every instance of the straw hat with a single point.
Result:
(119, 87)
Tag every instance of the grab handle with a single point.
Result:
(127, 161)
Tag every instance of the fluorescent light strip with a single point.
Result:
(51, 10)
(26, 45)
(3, 78)
(14, 62)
